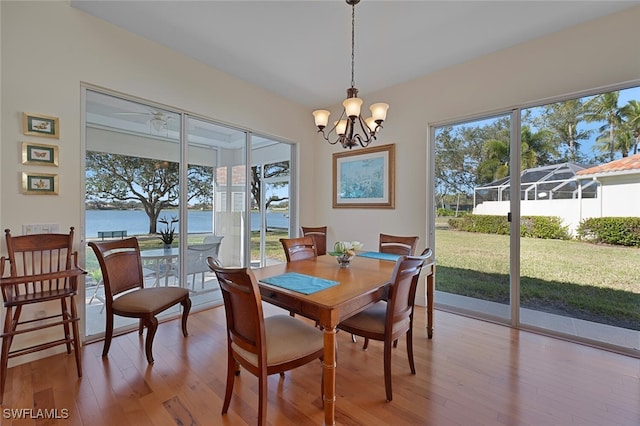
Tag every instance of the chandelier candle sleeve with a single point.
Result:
(351, 129)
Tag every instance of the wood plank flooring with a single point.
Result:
(471, 373)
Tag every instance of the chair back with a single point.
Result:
(404, 246)
(197, 255)
(299, 248)
(243, 308)
(46, 255)
(121, 266)
(404, 282)
(319, 235)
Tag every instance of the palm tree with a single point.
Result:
(562, 119)
(604, 108)
(631, 113)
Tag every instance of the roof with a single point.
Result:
(626, 165)
(552, 172)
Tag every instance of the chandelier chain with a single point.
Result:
(353, 43)
(351, 129)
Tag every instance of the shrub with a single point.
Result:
(445, 212)
(548, 227)
(624, 231)
(545, 227)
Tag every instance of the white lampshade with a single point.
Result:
(341, 127)
(321, 117)
(371, 123)
(352, 106)
(379, 111)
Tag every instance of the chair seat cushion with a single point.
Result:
(372, 320)
(287, 338)
(149, 300)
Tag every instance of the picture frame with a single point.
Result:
(365, 178)
(40, 154)
(39, 184)
(40, 125)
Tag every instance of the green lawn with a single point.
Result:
(593, 282)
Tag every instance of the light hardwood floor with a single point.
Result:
(471, 373)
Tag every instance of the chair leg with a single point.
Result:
(186, 307)
(387, 369)
(76, 336)
(353, 338)
(152, 326)
(6, 344)
(262, 398)
(366, 344)
(65, 317)
(108, 333)
(232, 371)
(410, 350)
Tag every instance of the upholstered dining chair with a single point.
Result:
(262, 346)
(393, 244)
(125, 294)
(397, 244)
(319, 234)
(42, 268)
(299, 248)
(387, 320)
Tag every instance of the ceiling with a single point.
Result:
(301, 50)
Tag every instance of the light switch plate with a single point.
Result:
(40, 228)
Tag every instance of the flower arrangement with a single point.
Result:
(344, 251)
(167, 235)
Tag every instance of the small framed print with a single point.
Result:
(39, 183)
(37, 153)
(40, 125)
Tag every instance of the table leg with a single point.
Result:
(431, 288)
(329, 372)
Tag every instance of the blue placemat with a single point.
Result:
(378, 255)
(305, 284)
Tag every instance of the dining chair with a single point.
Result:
(126, 296)
(387, 320)
(299, 248)
(263, 346)
(42, 268)
(397, 244)
(319, 234)
(393, 244)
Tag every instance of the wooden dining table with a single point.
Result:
(359, 286)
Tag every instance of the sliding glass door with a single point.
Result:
(270, 199)
(180, 184)
(537, 217)
(471, 169)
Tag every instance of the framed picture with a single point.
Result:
(364, 178)
(45, 155)
(39, 183)
(40, 125)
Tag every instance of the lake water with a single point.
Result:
(136, 222)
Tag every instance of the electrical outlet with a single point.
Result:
(40, 228)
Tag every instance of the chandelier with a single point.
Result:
(351, 128)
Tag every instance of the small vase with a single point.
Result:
(344, 261)
(167, 247)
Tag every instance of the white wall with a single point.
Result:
(571, 211)
(620, 196)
